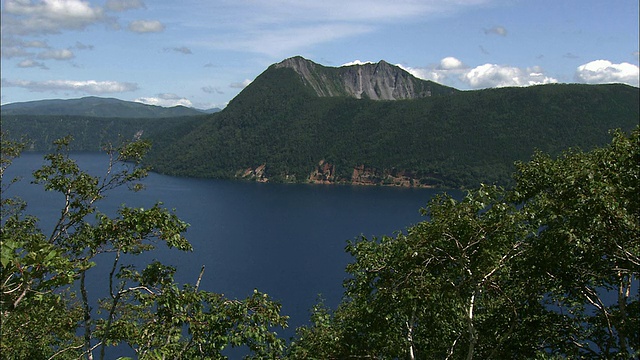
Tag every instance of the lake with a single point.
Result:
(286, 240)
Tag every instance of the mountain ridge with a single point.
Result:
(294, 123)
(375, 81)
(95, 106)
(281, 128)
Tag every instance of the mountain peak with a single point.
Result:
(376, 81)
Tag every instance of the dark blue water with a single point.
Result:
(285, 240)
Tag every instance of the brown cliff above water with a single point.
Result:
(325, 173)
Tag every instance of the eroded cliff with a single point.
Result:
(379, 81)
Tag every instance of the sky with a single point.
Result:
(203, 53)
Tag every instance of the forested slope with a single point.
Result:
(90, 133)
(456, 140)
(286, 127)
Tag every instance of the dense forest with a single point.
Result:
(280, 126)
(455, 140)
(89, 133)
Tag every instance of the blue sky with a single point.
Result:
(202, 53)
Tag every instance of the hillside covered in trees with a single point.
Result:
(281, 127)
(372, 124)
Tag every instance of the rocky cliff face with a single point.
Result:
(325, 173)
(380, 81)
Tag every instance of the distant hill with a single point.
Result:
(302, 122)
(96, 107)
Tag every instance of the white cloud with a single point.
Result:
(88, 86)
(240, 85)
(278, 28)
(281, 41)
(604, 71)
(124, 5)
(453, 72)
(451, 63)
(9, 52)
(166, 100)
(357, 62)
(351, 11)
(449, 69)
(492, 75)
(56, 54)
(146, 26)
(24, 17)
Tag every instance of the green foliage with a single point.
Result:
(46, 309)
(453, 139)
(456, 140)
(544, 270)
(92, 133)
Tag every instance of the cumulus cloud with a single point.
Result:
(124, 5)
(240, 85)
(88, 86)
(146, 26)
(492, 75)
(445, 72)
(451, 63)
(604, 71)
(23, 17)
(56, 54)
(496, 30)
(453, 72)
(166, 100)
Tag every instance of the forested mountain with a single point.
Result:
(280, 129)
(299, 121)
(96, 107)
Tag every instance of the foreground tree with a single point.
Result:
(549, 268)
(46, 309)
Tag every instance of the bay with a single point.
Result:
(286, 240)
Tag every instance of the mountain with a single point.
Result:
(302, 122)
(380, 81)
(96, 107)
(369, 124)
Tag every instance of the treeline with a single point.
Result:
(89, 133)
